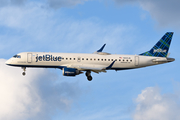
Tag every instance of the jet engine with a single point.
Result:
(71, 72)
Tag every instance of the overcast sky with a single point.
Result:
(83, 26)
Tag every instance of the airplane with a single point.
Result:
(73, 64)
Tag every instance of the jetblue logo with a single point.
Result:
(159, 50)
(48, 58)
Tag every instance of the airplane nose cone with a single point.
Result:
(7, 62)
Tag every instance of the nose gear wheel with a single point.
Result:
(24, 69)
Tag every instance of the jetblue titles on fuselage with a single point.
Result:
(48, 57)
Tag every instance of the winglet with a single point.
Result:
(101, 49)
(110, 66)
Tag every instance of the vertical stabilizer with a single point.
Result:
(162, 46)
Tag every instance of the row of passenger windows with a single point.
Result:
(127, 60)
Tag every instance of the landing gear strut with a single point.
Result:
(88, 75)
(24, 69)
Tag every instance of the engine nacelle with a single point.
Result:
(70, 72)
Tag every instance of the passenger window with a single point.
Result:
(66, 58)
(131, 60)
(111, 59)
(101, 59)
(74, 58)
(115, 59)
(82, 58)
(94, 59)
(104, 59)
(127, 60)
(91, 59)
(70, 58)
(119, 59)
(98, 59)
(108, 59)
(62, 58)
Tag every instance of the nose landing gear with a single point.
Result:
(88, 75)
(24, 69)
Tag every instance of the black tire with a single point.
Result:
(89, 78)
(23, 73)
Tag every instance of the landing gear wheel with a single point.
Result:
(88, 74)
(89, 78)
(24, 69)
(23, 73)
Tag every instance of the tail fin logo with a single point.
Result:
(159, 51)
(161, 48)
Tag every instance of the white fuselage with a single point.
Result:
(73, 64)
(59, 60)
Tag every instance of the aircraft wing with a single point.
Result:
(85, 67)
(91, 67)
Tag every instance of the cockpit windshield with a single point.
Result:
(16, 56)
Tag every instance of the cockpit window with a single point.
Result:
(17, 56)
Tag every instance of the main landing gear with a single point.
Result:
(24, 69)
(88, 75)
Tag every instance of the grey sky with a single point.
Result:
(11, 2)
(165, 12)
(63, 3)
